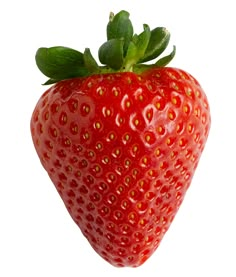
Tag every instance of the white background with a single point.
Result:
(37, 236)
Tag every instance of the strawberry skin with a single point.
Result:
(121, 150)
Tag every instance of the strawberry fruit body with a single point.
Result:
(120, 146)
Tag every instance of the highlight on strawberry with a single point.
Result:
(120, 140)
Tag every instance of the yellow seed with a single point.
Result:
(171, 115)
(118, 214)
(158, 152)
(179, 127)
(91, 154)
(112, 136)
(67, 142)
(100, 91)
(145, 160)
(120, 189)
(150, 173)
(127, 162)
(69, 168)
(98, 125)
(87, 109)
(140, 97)
(148, 138)
(99, 146)
(75, 129)
(149, 115)
(46, 116)
(186, 109)
(175, 86)
(190, 128)
(198, 94)
(78, 173)
(131, 216)
(121, 120)
(127, 137)
(135, 172)
(108, 112)
(127, 180)
(90, 84)
(115, 92)
(97, 168)
(160, 129)
(128, 104)
(132, 193)
(86, 135)
(129, 81)
(142, 222)
(117, 152)
(197, 112)
(174, 100)
(125, 204)
(106, 160)
(112, 177)
(173, 154)
(158, 105)
(188, 91)
(141, 183)
(139, 206)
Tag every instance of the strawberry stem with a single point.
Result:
(123, 51)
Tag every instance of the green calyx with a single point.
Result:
(122, 52)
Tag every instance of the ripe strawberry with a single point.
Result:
(120, 142)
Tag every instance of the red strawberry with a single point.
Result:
(120, 142)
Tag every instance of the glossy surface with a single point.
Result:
(121, 149)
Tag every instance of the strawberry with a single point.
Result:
(120, 141)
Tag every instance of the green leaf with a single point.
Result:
(142, 41)
(50, 82)
(137, 48)
(123, 51)
(131, 56)
(165, 60)
(89, 61)
(157, 44)
(111, 53)
(60, 63)
(120, 27)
